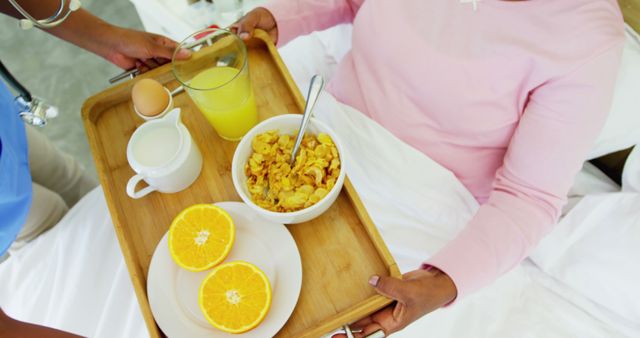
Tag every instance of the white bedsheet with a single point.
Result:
(74, 278)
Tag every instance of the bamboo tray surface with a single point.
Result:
(340, 250)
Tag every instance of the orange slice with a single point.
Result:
(235, 297)
(201, 236)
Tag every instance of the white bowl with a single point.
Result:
(285, 124)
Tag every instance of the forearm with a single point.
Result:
(501, 234)
(12, 328)
(126, 48)
(300, 17)
(81, 28)
(84, 30)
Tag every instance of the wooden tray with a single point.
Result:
(340, 250)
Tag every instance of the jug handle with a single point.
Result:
(131, 187)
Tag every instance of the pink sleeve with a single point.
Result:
(560, 123)
(300, 17)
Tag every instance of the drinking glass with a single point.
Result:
(216, 77)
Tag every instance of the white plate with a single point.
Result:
(173, 291)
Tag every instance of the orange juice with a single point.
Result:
(228, 102)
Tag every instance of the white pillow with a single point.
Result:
(622, 129)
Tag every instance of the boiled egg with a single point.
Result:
(149, 97)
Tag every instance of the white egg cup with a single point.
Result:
(163, 113)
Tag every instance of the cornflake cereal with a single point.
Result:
(275, 186)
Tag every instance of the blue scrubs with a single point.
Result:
(15, 177)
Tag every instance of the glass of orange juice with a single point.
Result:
(217, 80)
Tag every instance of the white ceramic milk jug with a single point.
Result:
(164, 155)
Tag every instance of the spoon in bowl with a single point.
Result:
(315, 88)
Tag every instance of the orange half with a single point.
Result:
(235, 297)
(201, 236)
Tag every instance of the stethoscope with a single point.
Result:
(57, 18)
(34, 110)
(31, 109)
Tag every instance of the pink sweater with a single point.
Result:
(509, 97)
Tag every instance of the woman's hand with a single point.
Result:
(259, 18)
(127, 48)
(418, 293)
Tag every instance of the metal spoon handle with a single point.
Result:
(315, 88)
(177, 91)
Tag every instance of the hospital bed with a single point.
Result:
(580, 282)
